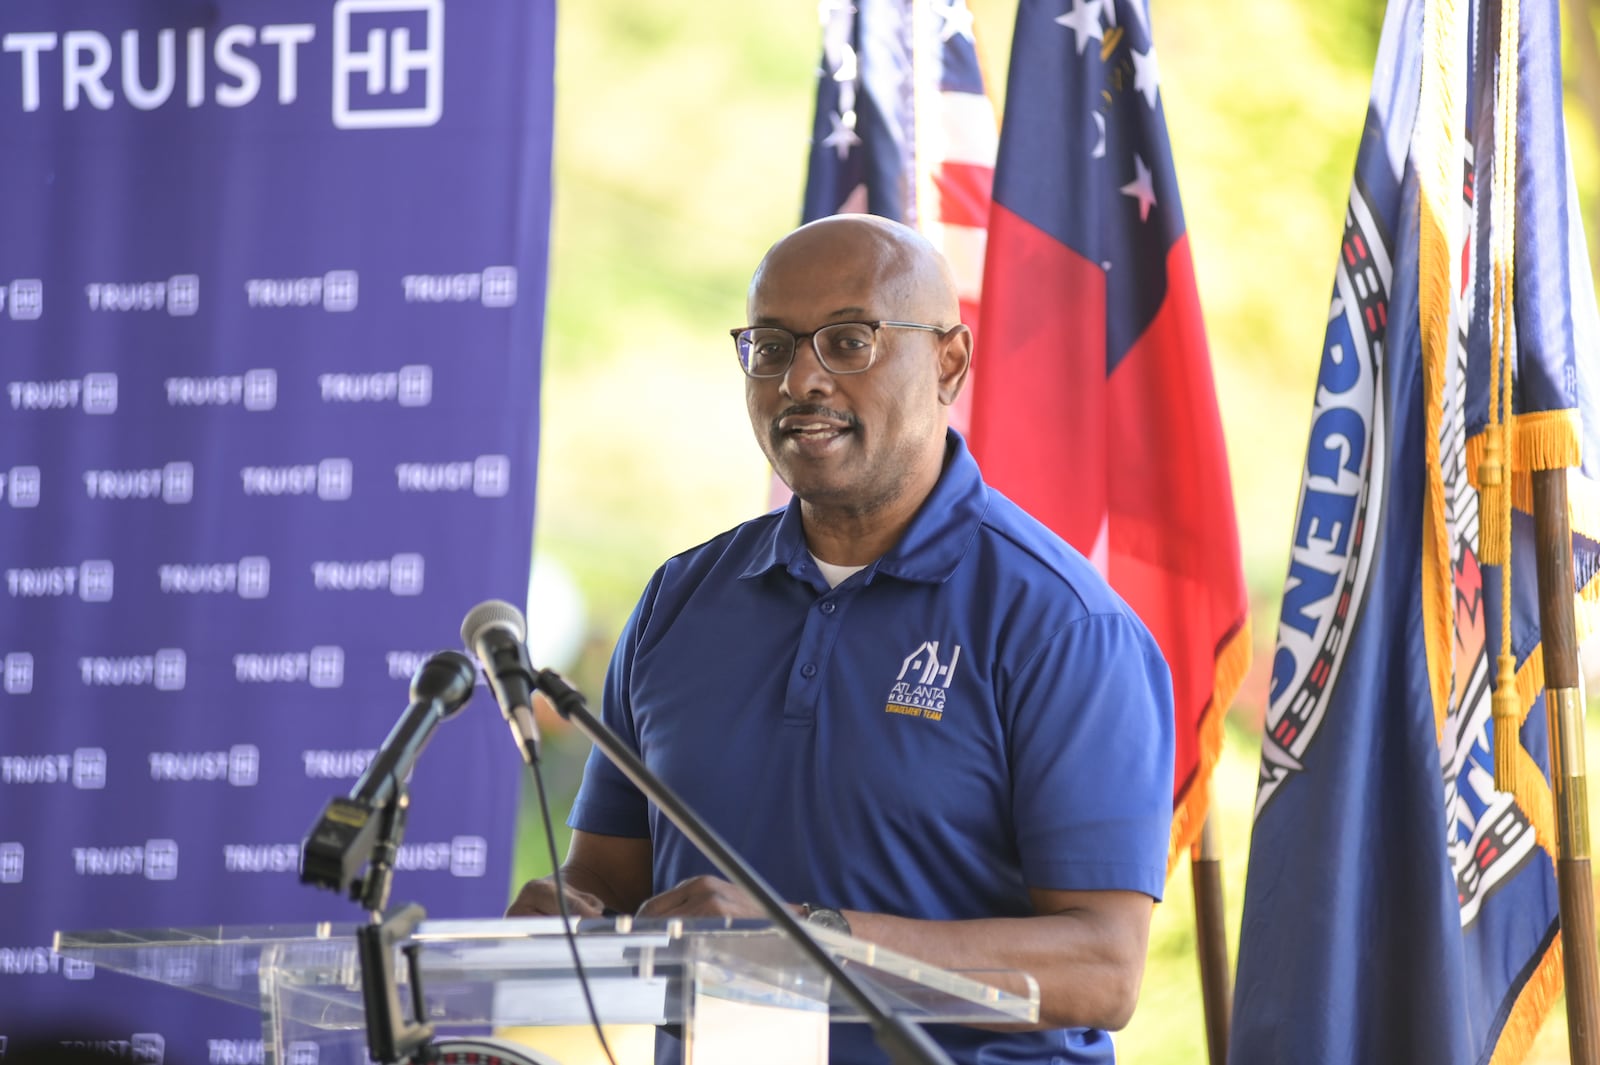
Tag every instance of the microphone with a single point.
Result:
(495, 631)
(343, 840)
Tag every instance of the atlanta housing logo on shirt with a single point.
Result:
(919, 690)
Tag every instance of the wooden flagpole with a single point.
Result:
(1564, 705)
(1211, 940)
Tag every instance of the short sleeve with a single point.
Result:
(607, 802)
(1091, 744)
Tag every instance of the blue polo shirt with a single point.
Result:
(973, 713)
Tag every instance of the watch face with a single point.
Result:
(828, 918)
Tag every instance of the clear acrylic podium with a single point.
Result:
(739, 990)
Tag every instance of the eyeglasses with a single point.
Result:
(842, 347)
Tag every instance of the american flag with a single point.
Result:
(904, 129)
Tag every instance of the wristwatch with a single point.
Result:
(824, 917)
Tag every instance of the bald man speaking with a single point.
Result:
(925, 719)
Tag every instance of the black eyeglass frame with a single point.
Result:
(794, 348)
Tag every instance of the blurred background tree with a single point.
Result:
(681, 143)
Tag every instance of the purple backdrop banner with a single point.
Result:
(271, 300)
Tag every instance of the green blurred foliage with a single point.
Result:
(681, 140)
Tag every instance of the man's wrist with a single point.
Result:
(824, 917)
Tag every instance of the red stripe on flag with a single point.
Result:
(1141, 452)
(1039, 414)
(964, 193)
(1173, 537)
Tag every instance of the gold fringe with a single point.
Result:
(1189, 816)
(1530, 681)
(1583, 502)
(1531, 1009)
(1534, 797)
(1583, 495)
(1542, 440)
(1527, 779)
(1440, 119)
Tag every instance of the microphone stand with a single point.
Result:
(904, 1042)
(391, 1038)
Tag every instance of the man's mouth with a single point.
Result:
(813, 424)
(813, 429)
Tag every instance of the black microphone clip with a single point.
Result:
(351, 829)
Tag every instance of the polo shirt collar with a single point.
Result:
(934, 543)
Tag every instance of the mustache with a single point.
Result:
(814, 410)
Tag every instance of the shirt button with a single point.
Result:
(829, 606)
(808, 671)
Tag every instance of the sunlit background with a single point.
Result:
(681, 141)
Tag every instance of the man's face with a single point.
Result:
(849, 441)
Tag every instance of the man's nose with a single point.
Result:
(806, 375)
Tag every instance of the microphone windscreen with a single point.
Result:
(489, 614)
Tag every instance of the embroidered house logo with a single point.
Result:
(920, 688)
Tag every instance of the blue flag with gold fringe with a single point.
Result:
(1401, 904)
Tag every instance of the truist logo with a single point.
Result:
(400, 575)
(166, 670)
(336, 290)
(387, 68)
(488, 476)
(330, 480)
(92, 581)
(23, 299)
(18, 673)
(410, 386)
(463, 856)
(239, 766)
(84, 768)
(321, 667)
(172, 483)
(40, 961)
(179, 295)
(261, 857)
(250, 578)
(94, 393)
(337, 764)
(495, 286)
(255, 390)
(11, 863)
(157, 859)
(142, 1048)
(252, 1052)
(388, 65)
(20, 486)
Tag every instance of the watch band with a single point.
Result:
(824, 917)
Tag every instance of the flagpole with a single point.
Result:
(1211, 936)
(1564, 706)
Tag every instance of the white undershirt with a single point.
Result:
(835, 575)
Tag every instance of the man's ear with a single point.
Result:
(955, 359)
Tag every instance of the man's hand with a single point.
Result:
(538, 899)
(600, 873)
(703, 896)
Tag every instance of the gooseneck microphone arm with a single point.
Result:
(904, 1042)
(368, 824)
